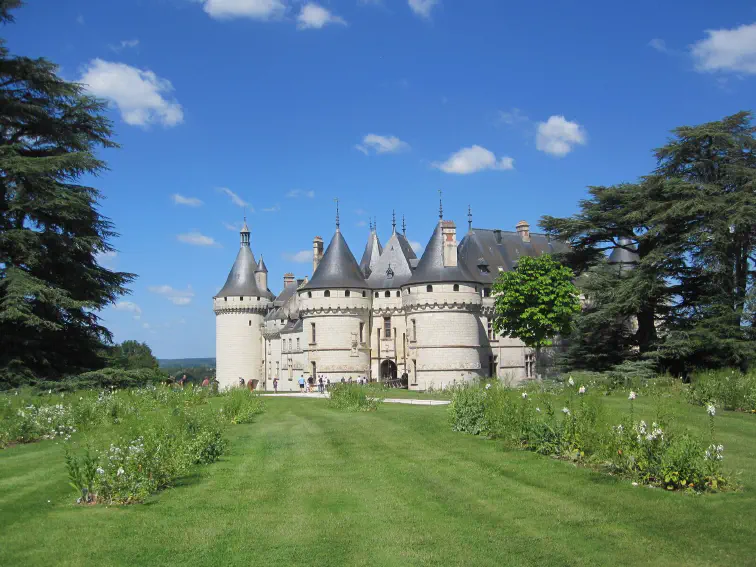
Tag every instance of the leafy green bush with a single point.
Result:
(240, 405)
(355, 397)
(467, 411)
(727, 388)
(109, 378)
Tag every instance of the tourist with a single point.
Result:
(328, 385)
(206, 382)
(320, 385)
(310, 381)
(241, 382)
(275, 384)
(301, 383)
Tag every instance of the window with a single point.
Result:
(327, 293)
(530, 365)
(283, 345)
(387, 294)
(250, 322)
(241, 298)
(346, 293)
(376, 294)
(387, 327)
(414, 330)
(362, 332)
(258, 299)
(456, 287)
(398, 293)
(297, 343)
(429, 288)
(225, 299)
(289, 344)
(486, 292)
(312, 327)
(490, 330)
(309, 294)
(364, 294)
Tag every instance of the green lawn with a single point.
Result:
(307, 485)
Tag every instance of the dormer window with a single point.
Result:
(483, 268)
(327, 293)
(429, 288)
(456, 287)
(389, 272)
(241, 298)
(388, 294)
(347, 293)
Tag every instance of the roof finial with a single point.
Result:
(440, 206)
(393, 222)
(469, 218)
(338, 224)
(375, 224)
(370, 222)
(404, 227)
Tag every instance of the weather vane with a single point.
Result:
(337, 213)
(440, 206)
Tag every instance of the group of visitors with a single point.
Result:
(322, 383)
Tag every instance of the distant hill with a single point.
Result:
(186, 362)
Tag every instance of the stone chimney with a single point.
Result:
(317, 252)
(523, 229)
(449, 235)
(288, 279)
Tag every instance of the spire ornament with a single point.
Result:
(469, 218)
(440, 206)
(338, 224)
(404, 227)
(393, 222)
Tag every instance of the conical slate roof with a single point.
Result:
(431, 267)
(261, 267)
(241, 279)
(623, 255)
(373, 250)
(337, 268)
(393, 268)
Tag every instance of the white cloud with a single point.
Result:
(361, 223)
(473, 159)
(416, 246)
(314, 16)
(422, 7)
(382, 144)
(253, 9)
(188, 201)
(146, 325)
(658, 44)
(273, 209)
(234, 226)
(129, 306)
(140, 95)
(513, 116)
(727, 50)
(125, 44)
(301, 257)
(107, 259)
(176, 296)
(557, 136)
(295, 193)
(196, 239)
(235, 199)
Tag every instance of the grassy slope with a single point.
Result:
(306, 485)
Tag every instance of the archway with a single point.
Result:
(388, 370)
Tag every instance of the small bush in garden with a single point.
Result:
(467, 410)
(355, 397)
(729, 389)
(241, 405)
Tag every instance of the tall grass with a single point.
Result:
(356, 397)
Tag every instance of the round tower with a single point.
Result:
(335, 307)
(240, 307)
(442, 303)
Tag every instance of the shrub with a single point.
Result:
(355, 397)
(729, 389)
(109, 378)
(467, 410)
(241, 405)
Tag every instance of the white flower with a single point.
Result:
(538, 410)
(581, 390)
(566, 411)
(571, 382)
(488, 386)
(635, 484)
(711, 410)
(524, 395)
(632, 396)
(100, 470)
(120, 471)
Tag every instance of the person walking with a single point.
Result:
(328, 385)
(206, 382)
(241, 382)
(301, 383)
(275, 384)
(320, 385)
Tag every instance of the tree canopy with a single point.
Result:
(535, 301)
(51, 232)
(131, 355)
(692, 224)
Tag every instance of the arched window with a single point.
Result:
(364, 294)
(429, 288)
(250, 322)
(309, 294)
(258, 299)
(327, 293)
(387, 294)
(456, 287)
(225, 299)
(376, 294)
(398, 293)
(347, 293)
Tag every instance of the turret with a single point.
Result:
(261, 275)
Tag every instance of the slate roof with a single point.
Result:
(261, 267)
(484, 251)
(397, 255)
(287, 293)
(373, 251)
(292, 327)
(431, 268)
(241, 278)
(623, 255)
(337, 269)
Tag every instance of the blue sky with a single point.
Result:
(511, 107)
